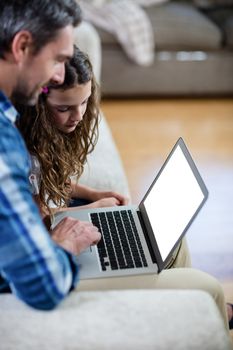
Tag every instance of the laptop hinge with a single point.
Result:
(146, 237)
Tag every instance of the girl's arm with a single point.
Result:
(45, 215)
(81, 191)
(93, 195)
(98, 199)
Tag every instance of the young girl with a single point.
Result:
(59, 133)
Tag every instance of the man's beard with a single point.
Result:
(19, 96)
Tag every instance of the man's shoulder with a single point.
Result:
(9, 134)
(7, 110)
(13, 152)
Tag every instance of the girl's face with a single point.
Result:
(69, 106)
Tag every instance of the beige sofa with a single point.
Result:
(127, 320)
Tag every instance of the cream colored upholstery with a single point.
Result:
(127, 320)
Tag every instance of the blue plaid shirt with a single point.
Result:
(36, 269)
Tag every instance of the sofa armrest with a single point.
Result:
(116, 320)
(87, 39)
(104, 169)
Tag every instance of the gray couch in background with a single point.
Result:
(194, 54)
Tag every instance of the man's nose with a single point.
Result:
(59, 74)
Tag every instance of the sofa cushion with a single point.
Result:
(213, 3)
(178, 26)
(223, 17)
(128, 320)
(229, 32)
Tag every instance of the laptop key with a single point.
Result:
(120, 246)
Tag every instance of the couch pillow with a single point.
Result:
(146, 3)
(229, 32)
(182, 26)
(212, 3)
(178, 26)
(223, 17)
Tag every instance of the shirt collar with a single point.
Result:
(7, 108)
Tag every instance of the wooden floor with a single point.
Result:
(145, 131)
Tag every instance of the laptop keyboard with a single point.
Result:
(120, 246)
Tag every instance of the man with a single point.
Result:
(36, 39)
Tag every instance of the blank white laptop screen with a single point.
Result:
(173, 199)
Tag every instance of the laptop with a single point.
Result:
(141, 239)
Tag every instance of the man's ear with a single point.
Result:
(21, 45)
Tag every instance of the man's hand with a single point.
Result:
(75, 236)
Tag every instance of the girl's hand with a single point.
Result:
(105, 202)
(109, 197)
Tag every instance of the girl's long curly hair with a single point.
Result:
(61, 155)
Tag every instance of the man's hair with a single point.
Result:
(42, 18)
